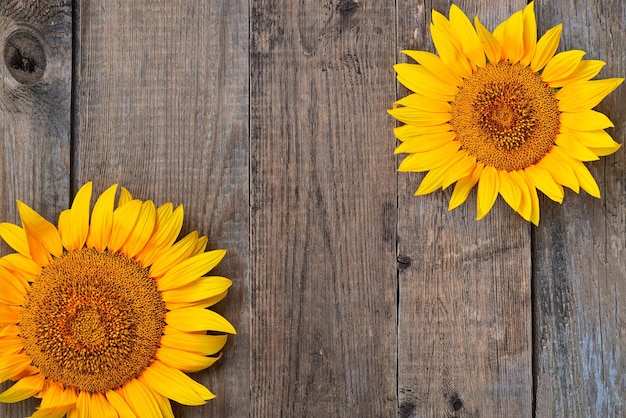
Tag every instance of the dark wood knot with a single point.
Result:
(25, 57)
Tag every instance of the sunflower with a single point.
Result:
(502, 110)
(102, 317)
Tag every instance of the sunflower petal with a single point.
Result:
(102, 220)
(202, 303)
(190, 270)
(490, 44)
(464, 186)
(509, 190)
(419, 80)
(603, 152)
(202, 344)
(587, 120)
(583, 95)
(546, 47)
(124, 220)
(423, 103)
(425, 143)
(529, 33)
(43, 238)
(184, 360)
(463, 29)
(13, 291)
(83, 403)
(570, 145)
(119, 404)
(525, 208)
(434, 179)
(177, 253)
(586, 70)
(100, 407)
(534, 201)
(447, 46)
(23, 389)
(513, 39)
(419, 118)
(142, 231)
(586, 180)
(204, 288)
(76, 235)
(15, 237)
(11, 344)
(198, 319)
(435, 66)
(125, 197)
(488, 188)
(56, 401)
(560, 169)
(175, 385)
(431, 159)
(542, 180)
(561, 65)
(407, 132)
(9, 315)
(139, 398)
(12, 365)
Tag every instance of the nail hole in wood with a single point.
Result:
(25, 57)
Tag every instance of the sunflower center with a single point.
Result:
(506, 116)
(92, 320)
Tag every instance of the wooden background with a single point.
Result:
(352, 298)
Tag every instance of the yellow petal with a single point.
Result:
(184, 360)
(74, 237)
(463, 29)
(142, 231)
(490, 44)
(15, 237)
(11, 344)
(190, 270)
(65, 227)
(125, 197)
(546, 47)
(570, 145)
(488, 188)
(423, 104)
(586, 70)
(603, 152)
(525, 208)
(120, 405)
(406, 132)
(13, 291)
(204, 288)
(168, 225)
(9, 315)
(177, 253)
(43, 238)
(198, 319)
(586, 180)
(447, 46)
(582, 95)
(419, 80)
(21, 265)
(202, 303)
(435, 178)
(435, 66)
(426, 142)
(542, 180)
(139, 398)
(459, 169)
(23, 389)
(124, 220)
(560, 169)
(429, 160)
(513, 37)
(12, 365)
(591, 139)
(534, 200)
(163, 402)
(509, 190)
(530, 33)
(561, 65)
(100, 407)
(194, 343)
(56, 401)
(102, 220)
(464, 186)
(587, 120)
(175, 385)
(419, 118)
(83, 403)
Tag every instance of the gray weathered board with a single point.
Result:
(352, 298)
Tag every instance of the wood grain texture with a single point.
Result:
(323, 324)
(579, 269)
(464, 332)
(162, 108)
(35, 91)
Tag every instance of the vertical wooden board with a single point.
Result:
(323, 324)
(579, 269)
(464, 298)
(35, 91)
(162, 108)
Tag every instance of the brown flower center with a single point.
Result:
(92, 320)
(506, 116)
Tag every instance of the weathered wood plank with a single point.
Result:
(35, 92)
(465, 299)
(579, 268)
(323, 209)
(162, 108)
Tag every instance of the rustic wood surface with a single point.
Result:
(266, 120)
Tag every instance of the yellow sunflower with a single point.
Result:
(101, 317)
(502, 110)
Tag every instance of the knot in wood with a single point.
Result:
(25, 57)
